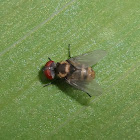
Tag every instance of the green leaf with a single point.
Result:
(32, 31)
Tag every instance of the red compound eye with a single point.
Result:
(48, 70)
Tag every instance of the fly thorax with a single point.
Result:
(62, 69)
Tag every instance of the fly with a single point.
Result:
(77, 71)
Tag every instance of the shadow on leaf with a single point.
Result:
(76, 94)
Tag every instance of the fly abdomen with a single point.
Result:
(87, 73)
(84, 73)
(91, 73)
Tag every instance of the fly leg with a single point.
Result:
(47, 84)
(87, 93)
(49, 58)
(51, 82)
(69, 51)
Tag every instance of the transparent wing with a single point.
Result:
(92, 87)
(89, 59)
